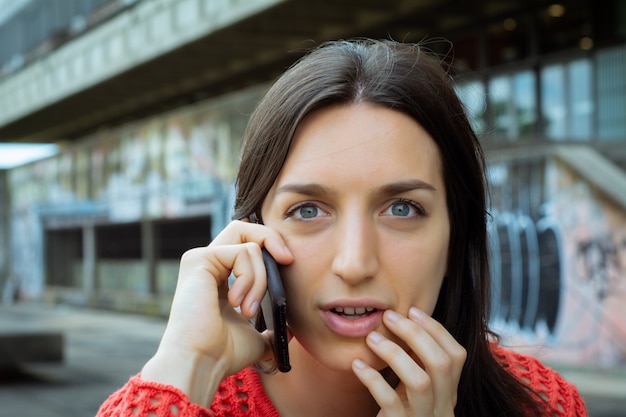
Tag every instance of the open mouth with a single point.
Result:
(353, 313)
(353, 321)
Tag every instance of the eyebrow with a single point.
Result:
(310, 189)
(406, 186)
(319, 190)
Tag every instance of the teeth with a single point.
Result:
(350, 311)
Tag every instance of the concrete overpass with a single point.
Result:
(160, 54)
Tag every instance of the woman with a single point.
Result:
(366, 183)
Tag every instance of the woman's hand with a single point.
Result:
(429, 373)
(206, 338)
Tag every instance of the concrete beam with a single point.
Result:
(152, 29)
(19, 348)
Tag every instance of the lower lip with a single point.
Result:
(360, 327)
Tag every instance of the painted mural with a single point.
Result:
(560, 279)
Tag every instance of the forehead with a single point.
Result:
(348, 142)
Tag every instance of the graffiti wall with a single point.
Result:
(558, 245)
(176, 165)
(559, 267)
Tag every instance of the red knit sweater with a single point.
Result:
(242, 395)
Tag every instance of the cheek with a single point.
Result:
(305, 279)
(299, 282)
(310, 261)
(422, 268)
(292, 281)
(419, 290)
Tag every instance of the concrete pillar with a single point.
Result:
(149, 249)
(89, 259)
(5, 231)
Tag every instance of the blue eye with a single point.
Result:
(305, 211)
(403, 208)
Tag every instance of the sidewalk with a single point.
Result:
(103, 349)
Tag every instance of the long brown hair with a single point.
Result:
(405, 78)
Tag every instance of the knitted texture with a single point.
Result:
(560, 395)
(242, 395)
(139, 398)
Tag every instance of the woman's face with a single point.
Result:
(361, 204)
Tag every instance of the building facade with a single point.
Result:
(148, 101)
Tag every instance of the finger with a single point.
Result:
(255, 280)
(385, 396)
(435, 349)
(245, 263)
(416, 381)
(443, 338)
(239, 231)
(243, 260)
(250, 281)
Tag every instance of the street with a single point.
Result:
(103, 349)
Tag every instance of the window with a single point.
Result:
(174, 237)
(611, 81)
(580, 87)
(567, 101)
(64, 257)
(513, 104)
(119, 241)
(473, 96)
(553, 102)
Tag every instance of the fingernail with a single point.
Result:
(392, 315)
(416, 314)
(376, 337)
(358, 364)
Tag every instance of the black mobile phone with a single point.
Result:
(274, 310)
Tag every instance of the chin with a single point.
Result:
(345, 363)
(338, 356)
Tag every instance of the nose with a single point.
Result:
(356, 258)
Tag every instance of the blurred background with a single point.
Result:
(121, 123)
